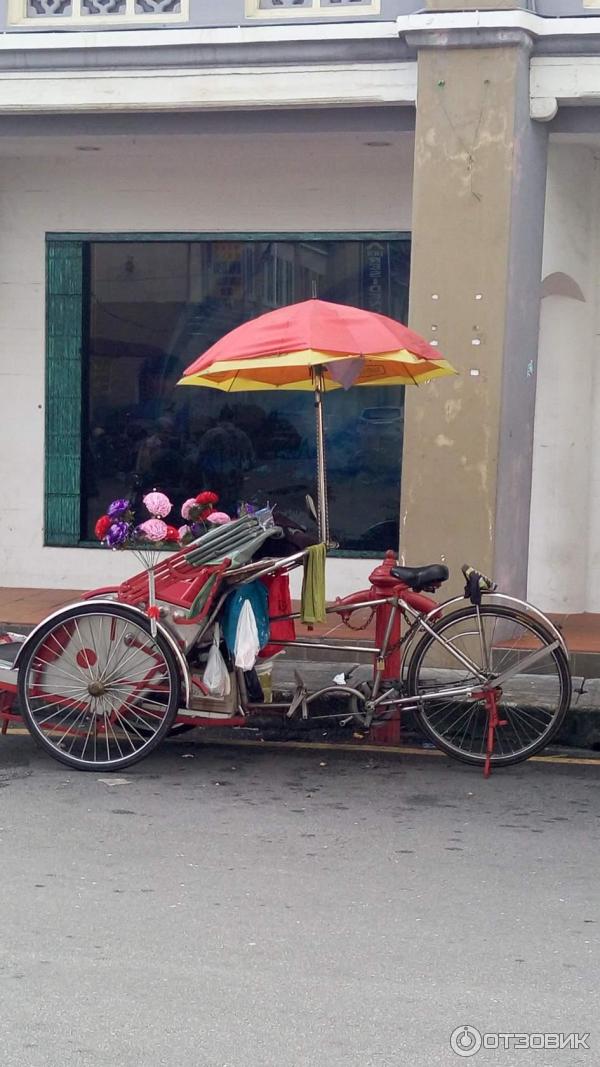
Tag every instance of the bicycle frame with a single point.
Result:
(419, 624)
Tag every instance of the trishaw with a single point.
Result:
(99, 684)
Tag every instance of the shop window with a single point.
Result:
(124, 320)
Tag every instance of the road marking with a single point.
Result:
(341, 746)
(396, 750)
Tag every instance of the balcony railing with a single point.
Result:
(310, 8)
(94, 13)
(56, 14)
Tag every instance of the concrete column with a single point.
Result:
(478, 210)
(566, 474)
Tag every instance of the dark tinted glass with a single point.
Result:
(155, 306)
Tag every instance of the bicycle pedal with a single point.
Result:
(299, 698)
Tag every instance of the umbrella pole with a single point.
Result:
(322, 509)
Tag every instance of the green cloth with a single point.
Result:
(202, 596)
(312, 605)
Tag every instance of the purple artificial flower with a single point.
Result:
(246, 509)
(117, 508)
(118, 534)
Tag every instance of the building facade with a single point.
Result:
(169, 168)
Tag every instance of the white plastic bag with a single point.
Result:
(247, 645)
(216, 675)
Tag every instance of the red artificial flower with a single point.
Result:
(172, 534)
(102, 527)
(153, 612)
(207, 497)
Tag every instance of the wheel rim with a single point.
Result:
(531, 702)
(98, 688)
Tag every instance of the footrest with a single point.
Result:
(9, 651)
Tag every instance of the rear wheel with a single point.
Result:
(97, 690)
(533, 701)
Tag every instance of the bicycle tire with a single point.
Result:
(57, 668)
(499, 758)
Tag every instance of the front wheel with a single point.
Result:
(472, 647)
(97, 691)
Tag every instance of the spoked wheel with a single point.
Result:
(532, 702)
(97, 691)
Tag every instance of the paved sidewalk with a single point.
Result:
(20, 608)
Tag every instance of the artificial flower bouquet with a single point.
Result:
(118, 529)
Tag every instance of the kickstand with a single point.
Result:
(494, 721)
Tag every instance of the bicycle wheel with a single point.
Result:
(533, 700)
(96, 690)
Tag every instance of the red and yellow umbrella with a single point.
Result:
(317, 346)
(280, 350)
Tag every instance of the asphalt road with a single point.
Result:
(253, 908)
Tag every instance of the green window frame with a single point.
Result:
(67, 289)
(65, 309)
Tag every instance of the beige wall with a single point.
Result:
(466, 162)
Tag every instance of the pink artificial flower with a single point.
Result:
(219, 518)
(183, 532)
(154, 529)
(186, 507)
(158, 504)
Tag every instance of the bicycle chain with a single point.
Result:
(358, 628)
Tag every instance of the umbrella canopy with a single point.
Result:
(317, 346)
(282, 349)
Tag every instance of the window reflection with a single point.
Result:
(154, 306)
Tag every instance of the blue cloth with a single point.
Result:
(256, 593)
